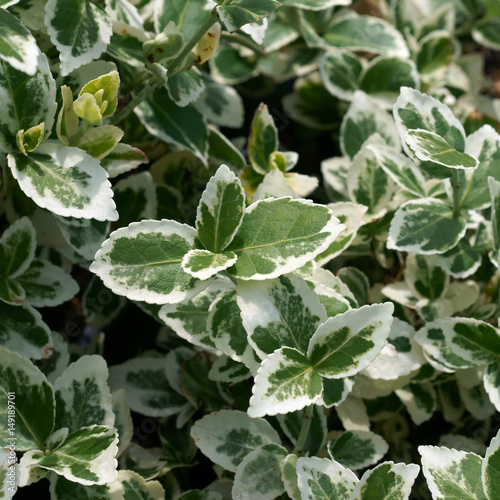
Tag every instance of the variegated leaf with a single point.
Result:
(484, 144)
(66, 181)
(263, 140)
(429, 146)
(189, 318)
(357, 449)
(33, 410)
(414, 110)
(87, 456)
(122, 159)
(387, 480)
(452, 473)
(350, 214)
(364, 118)
(226, 330)
(17, 248)
(340, 72)
(184, 128)
(22, 330)
(203, 264)
(425, 226)
(61, 488)
(79, 29)
(123, 420)
(143, 262)
(47, 285)
(228, 436)
(17, 45)
(285, 382)
(220, 211)
(82, 395)
(321, 479)
(241, 12)
(347, 343)
(278, 236)
(315, 4)
(280, 312)
(420, 401)
(259, 474)
(365, 33)
(461, 261)
(490, 469)
(289, 477)
(476, 341)
(27, 100)
(135, 487)
(148, 391)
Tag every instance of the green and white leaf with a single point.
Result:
(203, 264)
(47, 285)
(401, 169)
(122, 159)
(367, 183)
(66, 181)
(429, 146)
(29, 473)
(366, 33)
(263, 140)
(79, 29)
(61, 488)
(485, 33)
(148, 391)
(281, 235)
(491, 381)
(436, 349)
(476, 341)
(135, 198)
(425, 226)
(385, 75)
(228, 436)
(27, 100)
(424, 278)
(185, 87)
(187, 16)
(83, 235)
(98, 142)
(124, 11)
(241, 12)
(221, 105)
(364, 118)
(399, 357)
(225, 369)
(35, 409)
(477, 401)
(22, 330)
(189, 319)
(461, 261)
(335, 391)
(340, 71)
(220, 211)
(135, 487)
(18, 47)
(143, 262)
(183, 128)
(279, 312)
(17, 248)
(490, 468)
(414, 110)
(285, 382)
(289, 477)
(259, 474)
(357, 449)
(484, 144)
(387, 480)
(123, 420)
(321, 479)
(420, 401)
(82, 395)
(53, 367)
(87, 456)
(346, 344)
(452, 473)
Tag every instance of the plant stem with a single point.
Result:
(304, 431)
(455, 184)
(154, 84)
(73, 140)
(244, 42)
(176, 65)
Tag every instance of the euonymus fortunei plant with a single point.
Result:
(189, 314)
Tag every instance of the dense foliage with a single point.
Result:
(191, 310)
